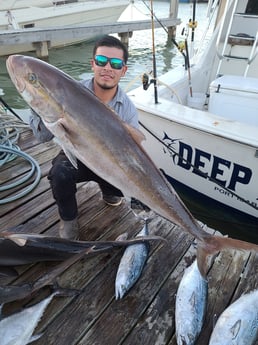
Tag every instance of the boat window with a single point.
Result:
(27, 26)
(252, 7)
(63, 2)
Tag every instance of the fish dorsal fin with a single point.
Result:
(135, 133)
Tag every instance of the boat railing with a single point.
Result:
(228, 39)
(253, 54)
(225, 14)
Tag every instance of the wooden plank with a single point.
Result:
(125, 313)
(89, 275)
(222, 282)
(157, 324)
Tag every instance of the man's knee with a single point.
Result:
(62, 175)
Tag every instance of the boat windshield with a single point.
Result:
(252, 7)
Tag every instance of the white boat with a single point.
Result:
(47, 14)
(201, 123)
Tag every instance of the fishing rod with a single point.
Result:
(193, 23)
(9, 108)
(188, 68)
(154, 56)
(165, 29)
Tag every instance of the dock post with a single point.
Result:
(41, 49)
(173, 12)
(124, 36)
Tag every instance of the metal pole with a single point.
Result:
(193, 23)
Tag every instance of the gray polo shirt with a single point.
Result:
(121, 104)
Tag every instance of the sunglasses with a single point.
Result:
(101, 60)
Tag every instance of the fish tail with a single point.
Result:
(212, 245)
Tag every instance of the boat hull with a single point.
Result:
(215, 175)
(201, 129)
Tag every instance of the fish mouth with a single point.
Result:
(13, 69)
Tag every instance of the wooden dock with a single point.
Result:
(42, 37)
(94, 317)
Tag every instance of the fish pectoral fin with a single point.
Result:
(136, 133)
(71, 157)
(20, 241)
(59, 129)
(35, 337)
(235, 329)
(68, 153)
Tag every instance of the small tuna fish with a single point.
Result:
(191, 302)
(131, 265)
(17, 329)
(238, 324)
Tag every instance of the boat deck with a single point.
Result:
(146, 314)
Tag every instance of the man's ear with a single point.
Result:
(92, 64)
(124, 70)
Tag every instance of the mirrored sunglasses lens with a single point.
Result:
(101, 60)
(116, 63)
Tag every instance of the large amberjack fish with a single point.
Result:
(17, 329)
(238, 324)
(89, 130)
(191, 301)
(131, 265)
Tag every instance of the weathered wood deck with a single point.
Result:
(146, 314)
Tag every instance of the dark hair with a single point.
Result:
(111, 41)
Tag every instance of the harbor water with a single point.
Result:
(75, 60)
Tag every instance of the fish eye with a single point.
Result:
(32, 78)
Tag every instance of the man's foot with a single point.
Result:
(112, 200)
(69, 229)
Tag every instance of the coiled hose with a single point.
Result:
(9, 150)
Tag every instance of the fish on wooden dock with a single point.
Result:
(191, 301)
(238, 324)
(17, 329)
(20, 248)
(88, 129)
(131, 265)
(69, 251)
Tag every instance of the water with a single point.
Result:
(75, 60)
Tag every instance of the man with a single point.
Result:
(108, 65)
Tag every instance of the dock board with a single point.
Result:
(94, 317)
